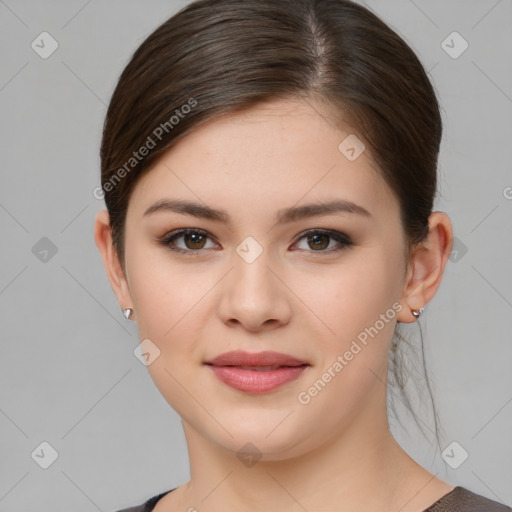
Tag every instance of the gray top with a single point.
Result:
(459, 499)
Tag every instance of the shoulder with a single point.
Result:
(464, 500)
(148, 505)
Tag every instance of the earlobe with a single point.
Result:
(113, 268)
(428, 261)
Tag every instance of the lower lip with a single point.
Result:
(254, 381)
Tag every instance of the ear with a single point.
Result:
(113, 267)
(426, 266)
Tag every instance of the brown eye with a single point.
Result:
(320, 241)
(194, 240)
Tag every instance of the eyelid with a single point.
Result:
(324, 231)
(342, 239)
(169, 238)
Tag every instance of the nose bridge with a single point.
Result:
(251, 275)
(253, 295)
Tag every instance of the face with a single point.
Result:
(320, 286)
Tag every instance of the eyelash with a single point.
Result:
(167, 240)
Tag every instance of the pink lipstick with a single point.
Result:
(256, 373)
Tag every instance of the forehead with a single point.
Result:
(264, 158)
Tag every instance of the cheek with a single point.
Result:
(169, 303)
(347, 298)
(356, 302)
(164, 293)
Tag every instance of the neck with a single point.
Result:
(361, 469)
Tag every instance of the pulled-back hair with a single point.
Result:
(216, 57)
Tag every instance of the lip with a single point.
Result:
(229, 369)
(266, 358)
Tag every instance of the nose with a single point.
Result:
(254, 295)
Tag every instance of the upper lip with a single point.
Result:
(266, 358)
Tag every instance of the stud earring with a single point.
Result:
(417, 312)
(127, 313)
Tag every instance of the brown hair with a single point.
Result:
(215, 57)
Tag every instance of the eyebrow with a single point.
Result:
(283, 216)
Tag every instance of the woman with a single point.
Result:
(269, 170)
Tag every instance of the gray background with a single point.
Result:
(68, 375)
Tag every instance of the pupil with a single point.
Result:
(196, 238)
(316, 242)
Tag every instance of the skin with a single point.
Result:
(326, 454)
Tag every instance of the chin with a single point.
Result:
(270, 444)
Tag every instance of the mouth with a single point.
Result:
(256, 373)
(263, 359)
(257, 368)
